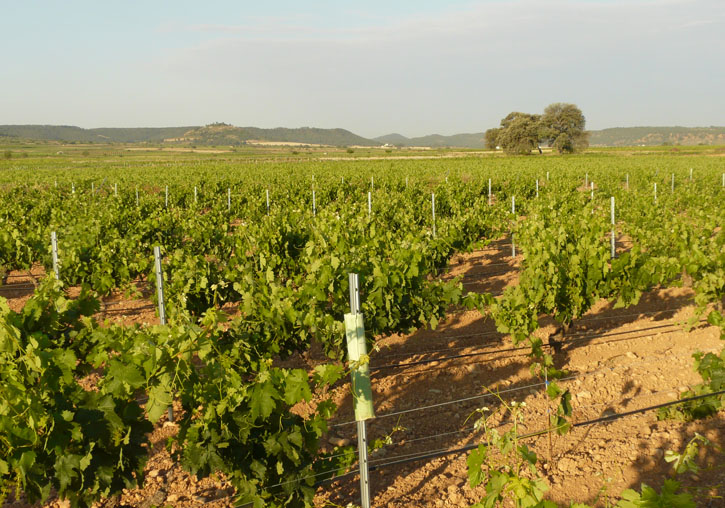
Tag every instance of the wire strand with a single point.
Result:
(603, 419)
(574, 336)
(510, 390)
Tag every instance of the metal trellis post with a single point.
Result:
(54, 250)
(513, 242)
(160, 297)
(360, 375)
(433, 210)
(613, 239)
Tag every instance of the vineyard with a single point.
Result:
(540, 331)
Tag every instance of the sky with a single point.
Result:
(415, 67)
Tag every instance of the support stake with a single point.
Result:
(613, 239)
(159, 284)
(513, 242)
(160, 297)
(360, 375)
(433, 210)
(54, 250)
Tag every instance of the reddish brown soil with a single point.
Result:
(619, 360)
(129, 306)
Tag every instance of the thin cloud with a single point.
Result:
(461, 68)
(478, 18)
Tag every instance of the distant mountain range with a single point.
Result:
(224, 134)
(648, 136)
(104, 135)
(214, 134)
(475, 140)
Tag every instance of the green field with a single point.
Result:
(280, 267)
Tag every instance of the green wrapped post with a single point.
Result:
(357, 350)
(361, 390)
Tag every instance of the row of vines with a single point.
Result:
(275, 242)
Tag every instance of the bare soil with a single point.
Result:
(618, 360)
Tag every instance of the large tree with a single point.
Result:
(492, 138)
(562, 125)
(519, 133)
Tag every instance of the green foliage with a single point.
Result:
(711, 368)
(685, 461)
(519, 133)
(511, 472)
(508, 470)
(649, 498)
(285, 274)
(562, 125)
(491, 137)
(55, 434)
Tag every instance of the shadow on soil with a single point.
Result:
(464, 355)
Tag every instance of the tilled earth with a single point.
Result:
(618, 360)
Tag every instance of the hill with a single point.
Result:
(475, 140)
(224, 134)
(214, 134)
(102, 135)
(634, 136)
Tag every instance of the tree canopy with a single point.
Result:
(561, 126)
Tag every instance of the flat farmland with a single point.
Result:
(589, 287)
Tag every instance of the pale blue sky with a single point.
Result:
(414, 67)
